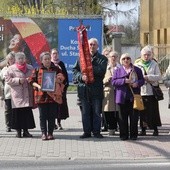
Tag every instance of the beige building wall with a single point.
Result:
(155, 25)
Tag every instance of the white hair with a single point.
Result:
(147, 49)
(113, 53)
(20, 54)
(124, 56)
(93, 40)
(44, 54)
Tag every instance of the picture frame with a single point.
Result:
(48, 81)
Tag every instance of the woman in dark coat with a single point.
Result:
(126, 77)
(63, 112)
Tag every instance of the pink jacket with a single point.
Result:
(21, 94)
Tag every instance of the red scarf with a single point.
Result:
(22, 67)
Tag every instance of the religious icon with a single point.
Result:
(48, 81)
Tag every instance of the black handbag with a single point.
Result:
(157, 92)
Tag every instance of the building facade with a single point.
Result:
(155, 27)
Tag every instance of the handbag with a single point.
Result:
(137, 101)
(157, 92)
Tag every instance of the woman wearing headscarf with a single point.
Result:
(17, 76)
(126, 79)
(150, 116)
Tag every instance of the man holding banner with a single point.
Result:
(91, 92)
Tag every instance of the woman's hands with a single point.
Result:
(36, 85)
(133, 84)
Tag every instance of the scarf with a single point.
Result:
(146, 64)
(22, 67)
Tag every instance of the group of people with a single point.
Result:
(108, 101)
(22, 89)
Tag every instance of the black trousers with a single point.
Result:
(8, 113)
(111, 119)
(47, 117)
(128, 115)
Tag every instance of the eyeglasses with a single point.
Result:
(127, 58)
(92, 44)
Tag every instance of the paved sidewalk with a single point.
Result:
(67, 144)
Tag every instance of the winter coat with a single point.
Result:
(21, 94)
(6, 87)
(122, 89)
(40, 96)
(95, 89)
(109, 90)
(154, 76)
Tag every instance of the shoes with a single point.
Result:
(124, 138)
(142, 133)
(133, 138)
(60, 128)
(111, 132)
(44, 136)
(104, 129)
(50, 137)
(8, 129)
(155, 133)
(98, 135)
(55, 127)
(27, 134)
(18, 135)
(85, 135)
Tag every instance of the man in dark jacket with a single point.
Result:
(91, 94)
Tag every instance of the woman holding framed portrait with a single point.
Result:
(44, 81)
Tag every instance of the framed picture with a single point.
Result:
(48, 81)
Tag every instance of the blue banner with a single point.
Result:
(68, 43)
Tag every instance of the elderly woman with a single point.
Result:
(46, 105)
(10, 58)
(21, 95)
(126, 77)
(110, 108)
(150, 116)
(104, 128)
(63, 112)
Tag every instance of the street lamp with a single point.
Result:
(116, 4)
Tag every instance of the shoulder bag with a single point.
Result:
(137, 101)
(157, 92)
